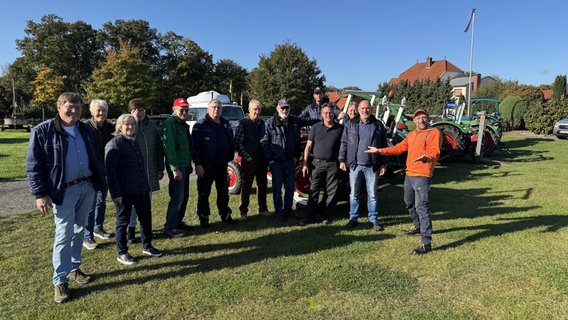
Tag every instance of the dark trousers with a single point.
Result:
(324, 173)
(257, 168)
(179, 195)
(217, 174)
(141, 202)
(416, 191)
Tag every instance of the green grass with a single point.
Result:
(13, 148)
(499, 253)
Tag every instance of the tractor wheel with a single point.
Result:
(302, 183)
(234, 177)
(488, 144)
(455, 144)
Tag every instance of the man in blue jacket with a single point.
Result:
(214, 148)
(64, 172)
(359, 133)
(312, 113)
(281, 148)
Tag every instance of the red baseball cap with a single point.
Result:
(180, 102)
(419, 111)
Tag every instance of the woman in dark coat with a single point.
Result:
(129, 187)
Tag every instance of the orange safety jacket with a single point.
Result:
(418, 143)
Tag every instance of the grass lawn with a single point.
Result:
(500, 234)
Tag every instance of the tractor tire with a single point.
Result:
(234, 177)
(455, 144)
(488, 145)
(302, 183)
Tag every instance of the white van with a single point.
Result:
(198, 108)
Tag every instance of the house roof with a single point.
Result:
(336, 98)
(428, 70)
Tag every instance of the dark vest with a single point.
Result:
(253, 133)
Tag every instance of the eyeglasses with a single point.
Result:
(284, 108)
(182, 110)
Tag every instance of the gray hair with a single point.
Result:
(98, 103)
(123, 119)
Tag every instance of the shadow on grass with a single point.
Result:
(13, 140)
(551, 222)
(294, 243)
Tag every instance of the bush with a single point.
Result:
(541, 117)
(513, 109)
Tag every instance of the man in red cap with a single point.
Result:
(423, 146)
(178, 148)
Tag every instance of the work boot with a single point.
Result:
(79, 276)
(422, 249)
(411, 231)
(61, 293)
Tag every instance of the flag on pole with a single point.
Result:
(470, 19)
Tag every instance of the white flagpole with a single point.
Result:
(469, 92)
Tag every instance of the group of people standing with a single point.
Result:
(72, 165)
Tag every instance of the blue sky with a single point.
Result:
(360, 43)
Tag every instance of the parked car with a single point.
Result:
(159, 120)
(560, 129)
(198, 108)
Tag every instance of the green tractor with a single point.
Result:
(461, 132)
(489, 108)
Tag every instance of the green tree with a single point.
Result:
(494, 89)
(559, 87)
(186, 68)
(136, 33)
(428, 95)
(48, 86)
(69, 49)
(122, 77)
(286, 72)
(540, 117)
(529, 93)
(513, 109)
(229, 78)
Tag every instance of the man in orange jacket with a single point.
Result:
(423, 146)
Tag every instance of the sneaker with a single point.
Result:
(131, 235)
(326, 221)
(351, 224)
(61, 293)
(377, 226)
(101, 234)
(79, 276)
(412, 231)
(175, 233)
(293, 215)
(228, 220)
(185, 227)
(305, 222)
(151, 251)
(204, 223)
(422, 249)
(89, 243)
(126, 259)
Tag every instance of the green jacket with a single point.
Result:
(149, 140)
(178, 146)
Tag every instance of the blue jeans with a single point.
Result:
(96, 214)
(416, 191)
(283, 174)
(70, 218)
(355, 181)
(179, 194)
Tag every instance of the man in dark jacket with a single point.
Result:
(103, 130)
(281, 148)
(214, 148)
(64, 171)
(247, 140)
(360, 133)
(312, 113)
